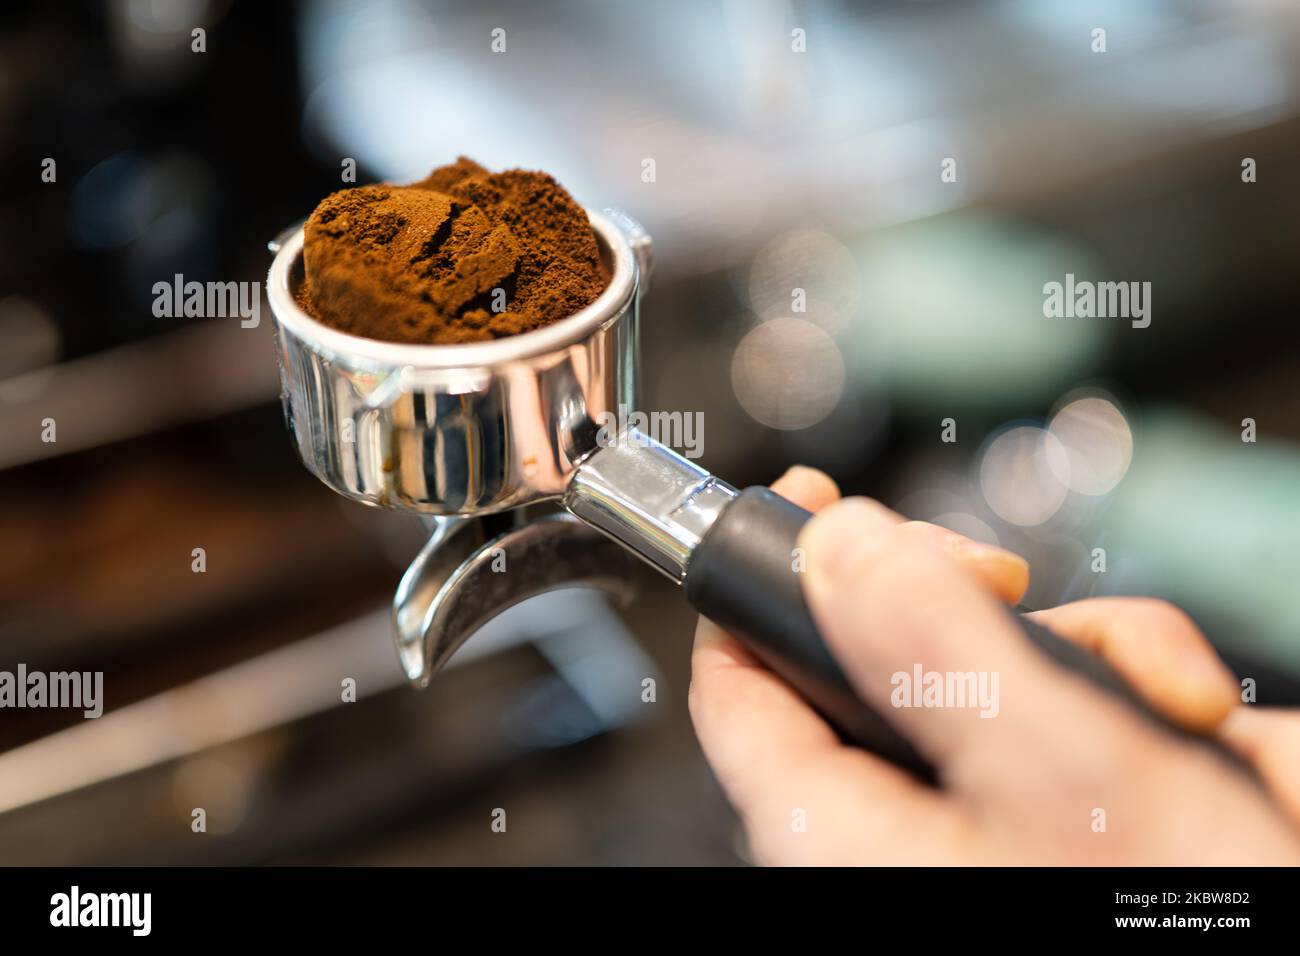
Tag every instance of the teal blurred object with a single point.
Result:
(1213, 524)
(952, 315)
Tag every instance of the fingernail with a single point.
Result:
(980, 551)
(958, 544)
(839, 538)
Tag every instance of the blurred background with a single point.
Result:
(774, 170)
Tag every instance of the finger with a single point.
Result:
(1157, 649)
(1003, 573)
(809, 488)
(900, 616)
(1269, 739)
(802, 794)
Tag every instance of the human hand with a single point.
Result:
(1029, 786)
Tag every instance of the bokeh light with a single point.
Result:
(787, 374)
(1097, 444)
(1019, 474)
(813, 261)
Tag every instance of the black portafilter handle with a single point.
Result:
(741, 576)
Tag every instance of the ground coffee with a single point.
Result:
(464, 255)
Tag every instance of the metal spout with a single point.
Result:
(462, 579)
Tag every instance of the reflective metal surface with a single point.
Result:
(649, 499)
(460, 582)
(465, 431)
(457, 429)
(451, 542)
(461, 431)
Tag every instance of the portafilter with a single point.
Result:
(470, 436)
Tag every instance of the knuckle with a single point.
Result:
(1168, 617)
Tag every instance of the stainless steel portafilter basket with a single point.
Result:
(470, 436)
(462, 429)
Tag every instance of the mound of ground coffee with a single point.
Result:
(464, 255)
